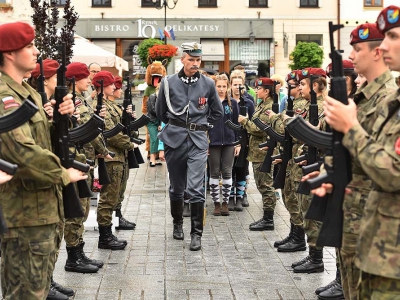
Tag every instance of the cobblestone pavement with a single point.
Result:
(234, 263)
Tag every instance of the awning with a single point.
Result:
(213, 50)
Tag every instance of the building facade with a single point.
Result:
(259, 34)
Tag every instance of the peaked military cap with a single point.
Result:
(193, 49)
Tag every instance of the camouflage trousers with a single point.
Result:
(289, 196)
(27, 262)
(353, 206)
(110, 193)
(311, 227)
(125, 177)
(264, 185)
(373, 287)
(74, 228)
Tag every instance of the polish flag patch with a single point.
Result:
(78, 102)
(9, 102)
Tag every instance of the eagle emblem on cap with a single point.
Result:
(363, 33)
(195, 46)
(393, 16)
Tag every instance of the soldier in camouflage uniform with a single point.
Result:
(124, 224)
(377, 151)
(256, 156)
(77, 261)
(36, 187)
(295, 240)
(313, 262)
(120, 144)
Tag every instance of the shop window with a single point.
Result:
(373, 3)
(308, 38)
(101, 3)
(59, 2)
(258, 3)
(207, 3)
(308, 3)
(254, 57)
(149, 3)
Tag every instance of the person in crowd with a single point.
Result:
(240, 171)
(360, 80)
(91, 93)
(40, 176)
(153, 127)
(222, 149)
(187, 103)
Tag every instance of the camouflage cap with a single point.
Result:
(193, 49)
(388, 18)
(367, 32)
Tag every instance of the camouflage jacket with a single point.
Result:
(33, 197)
(379, 155)
(257, 136)
(86, 112)
(119, 143)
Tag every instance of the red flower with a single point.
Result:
(162, 51)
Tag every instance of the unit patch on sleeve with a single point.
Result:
(9, 102)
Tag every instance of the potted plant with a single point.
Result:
(161, 52)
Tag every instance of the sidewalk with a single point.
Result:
(234, 263)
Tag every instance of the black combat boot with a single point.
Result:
(245, 202)
(186, 209)
(286, 239)
(176, 213)
(296, 243)
(314, 263)
(95, 262)
(266, 223)
(61, 289)
(55, 295)
(300, 262)
(108, 241)
(75, 263)
(333, 290)
(124, 224)
(196, 221)
(116, 238)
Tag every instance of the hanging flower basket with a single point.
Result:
(161, 52)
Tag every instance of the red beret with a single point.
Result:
(292, 75)
(347, 66)
(388, 18)
(77, 70)
(307, 72)
(365, 33)
(264, 81)
(118, 82)
(107, 77)
(50, 67)
(16, 35)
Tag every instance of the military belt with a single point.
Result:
(190, 126)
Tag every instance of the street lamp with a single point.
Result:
(165, 5)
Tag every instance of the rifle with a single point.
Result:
(81, 135)
(274, 137)
(279, 179)
(126, 121)
(339, 173)
(40, 84)
(242, 157)
(72, 205)
(311, 156)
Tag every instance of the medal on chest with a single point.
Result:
(202, 102)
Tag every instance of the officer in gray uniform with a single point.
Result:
(187, 103)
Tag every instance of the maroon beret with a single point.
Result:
(50, 67)
(118, 82)
(264, 81)
(367, 32)
(388, 18)
(77, 70)
(107, 77)
(347, 66)
(307, 72)
(16, 35)
(292, 75)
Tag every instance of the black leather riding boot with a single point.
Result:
(177, 215)
(196, 221)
